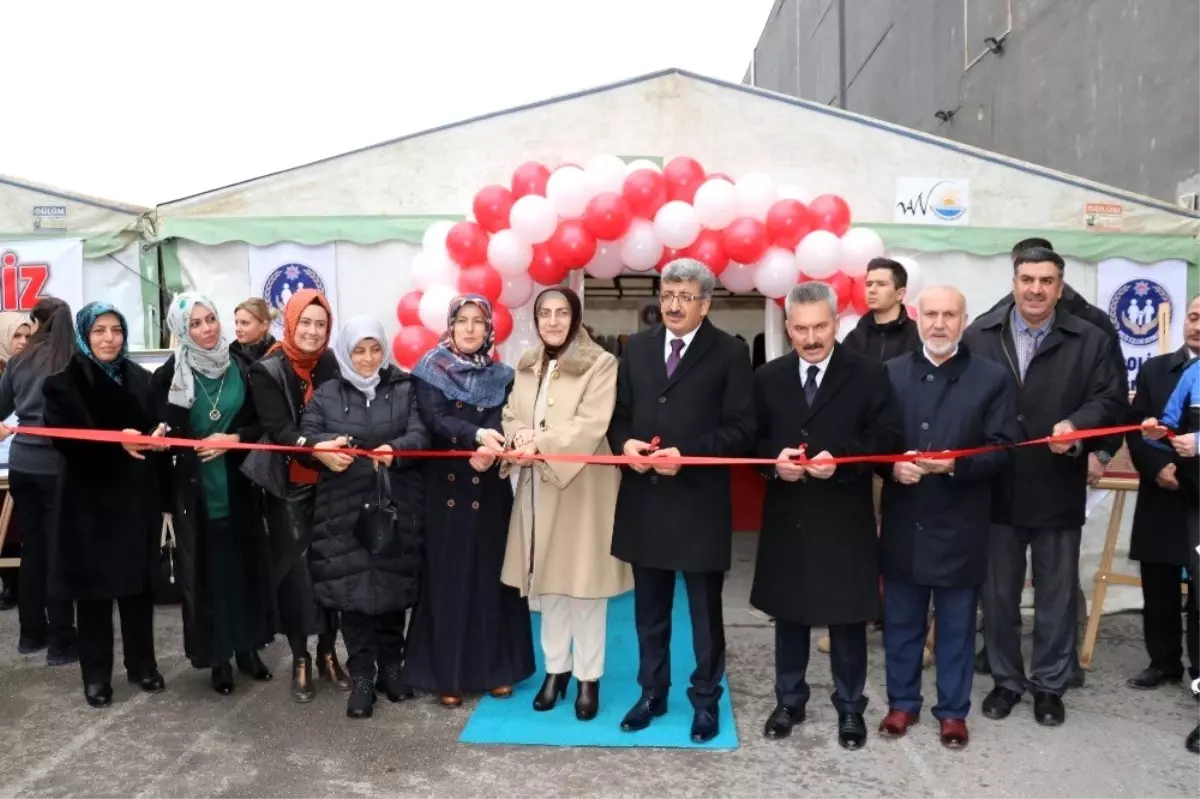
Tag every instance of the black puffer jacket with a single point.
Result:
(346, 576)
(882, 342)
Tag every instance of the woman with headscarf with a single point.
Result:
(33, 470)
(104, 546)
(560, 536)
(469, 632)
(371, 406)
(282, 384)
(14, 333)
(15, 330)
(202, 393)
(252, 329)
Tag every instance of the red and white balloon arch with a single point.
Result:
(611, 216)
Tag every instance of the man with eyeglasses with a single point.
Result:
(683, 388)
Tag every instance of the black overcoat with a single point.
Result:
(935, 532)
(684, 522)
(818, 551)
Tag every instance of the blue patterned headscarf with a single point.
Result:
(469, 377)
(84, 320)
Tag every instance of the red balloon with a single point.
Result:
(858, 295)
(912, 311)
(491, 207)
(607, 216)
(746, 240)
(502, 323)
(720, 176)
(683, 176)
(411, 343)
(545, 268)
(467, 243)
(781, 301)
(788, 222)
(571, 244)
(483, 280)
(646, 191)
(529, 178)
(709, 249)
(831, 213)
(843, 287)
(669, 254)
(406, 309)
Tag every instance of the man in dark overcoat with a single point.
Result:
(1066, 380)
(686, 384)
(936, 512)
(818, 552)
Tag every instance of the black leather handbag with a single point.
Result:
(378, 525)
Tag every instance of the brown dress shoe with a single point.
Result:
(503, 692)
(331, 670)
(449, 700)
(896, 723)
(954, 733)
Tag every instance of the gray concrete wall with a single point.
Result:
(1103, 89)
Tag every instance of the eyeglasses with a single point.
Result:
(669, 297)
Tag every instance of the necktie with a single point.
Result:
(810, 385)
(675, 357)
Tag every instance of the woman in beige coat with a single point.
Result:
(560, 534)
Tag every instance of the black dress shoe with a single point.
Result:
(643, 712)
(222, 679)
(1048, 709)
(779, 723)
(302, 680)
(554, 688)
(252, 666)
(852, 730)
(705, 724)
(999, 703)
(1152, 678)
(98, 694)
(982, 666)
(27, 646)
(587, 701)
(149, 681)
(391, 682)
(1193, 741)
(361, 704)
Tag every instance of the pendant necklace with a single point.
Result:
(213, 414)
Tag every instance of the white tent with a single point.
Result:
(115, 266)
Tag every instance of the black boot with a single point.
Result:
(98, 694)
(390, 682)
(252, 666)
(553, 689)
(303, 689)
(222, 679)
(361, 704)
(587, 701)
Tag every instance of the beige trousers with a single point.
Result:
(574, 624)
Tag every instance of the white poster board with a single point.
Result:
(31, 270)
(280, 270)
(1132, 294)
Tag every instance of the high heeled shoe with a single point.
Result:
(554, 687)
(329, 669)
(587, 701)
(222, 679)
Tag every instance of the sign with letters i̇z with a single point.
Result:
(31, 270)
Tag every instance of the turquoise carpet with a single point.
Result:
(513, 721)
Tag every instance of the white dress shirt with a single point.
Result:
(929, 358)
(687, 342)
(822, 368)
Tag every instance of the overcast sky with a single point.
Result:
(128, 100)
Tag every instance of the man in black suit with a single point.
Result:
(818, 559)
(686, 384)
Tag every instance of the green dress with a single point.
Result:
(228, 392)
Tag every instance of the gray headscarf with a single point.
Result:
(354, 331)
(189, 356)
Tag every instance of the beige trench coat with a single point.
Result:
(572, 524)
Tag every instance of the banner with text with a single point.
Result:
(1133, 295)
(30, 270)
(280, 270)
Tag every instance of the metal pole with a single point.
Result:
(842, 54)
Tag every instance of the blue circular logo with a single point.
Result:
(288, 279)
(1134, 311)
(946, 202)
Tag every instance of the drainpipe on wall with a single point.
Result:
(842, 54)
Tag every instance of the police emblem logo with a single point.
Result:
(1134, 311)
(288, 279)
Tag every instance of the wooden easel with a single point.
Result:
(6, 513)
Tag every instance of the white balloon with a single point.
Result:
(508, 253)
(569, 191)
(776, 272)
(847, 323)
(859, 246)
(641, 163)
(435, 306)
(518, 290)
(915, 279)
(676, 224)
(738, 278)
(432, 268)
(434, 239)
(640, 247)
(755, 195)
(533, 218)
(715, 203)
(791, 191)
(607, 173)
(820, 254)
(606, 263)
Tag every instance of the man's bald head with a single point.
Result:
(941, 319)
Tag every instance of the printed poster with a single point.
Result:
(30, 270)
(1133, 294)
(932, 201)
(280, 270)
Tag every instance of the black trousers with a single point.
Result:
(372, 639)
(1055, 554)
(653, 601)
(1162, 597)
(34, 508)
(847, 658)
(96, 636)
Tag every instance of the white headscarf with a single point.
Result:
(189, 356)
(354, 331)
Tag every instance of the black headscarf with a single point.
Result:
(576, 318)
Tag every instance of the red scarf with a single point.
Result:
(302, 363)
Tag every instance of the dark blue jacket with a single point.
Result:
(936, 532)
